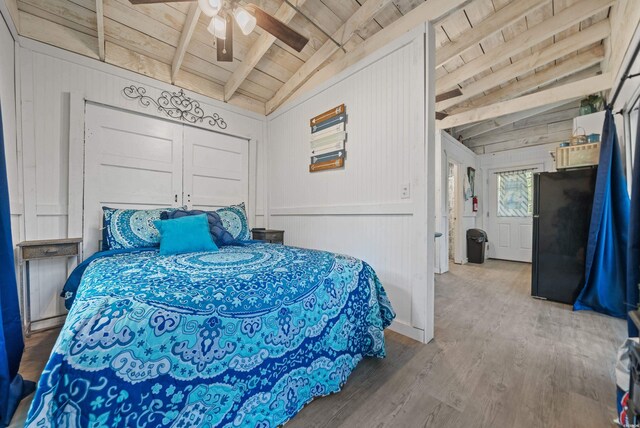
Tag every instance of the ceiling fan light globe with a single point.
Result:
(245, 20)
(218, 27)
(210, 7)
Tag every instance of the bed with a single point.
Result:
(245, 336)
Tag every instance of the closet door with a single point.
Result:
(131, 161)
(216, 169)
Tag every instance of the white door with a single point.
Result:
(454, 214)
(131, 161)
(216, 169)
(510, 213)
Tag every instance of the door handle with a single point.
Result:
(175, 198)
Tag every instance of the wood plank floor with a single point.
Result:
(500, 359)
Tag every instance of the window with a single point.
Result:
(515, 193)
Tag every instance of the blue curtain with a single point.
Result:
(633, 255)
(12, 387)
(605, 288)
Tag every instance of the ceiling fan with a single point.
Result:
(224, 12)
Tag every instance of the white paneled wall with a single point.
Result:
(51, 80)
(359, 209)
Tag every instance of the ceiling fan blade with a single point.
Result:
(224, 48)
(449, 94)
(441, 115)
(156, 1)
(278, 28)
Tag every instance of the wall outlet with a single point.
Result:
(405, 191)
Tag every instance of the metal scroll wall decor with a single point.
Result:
(176, 105)
(328, 135)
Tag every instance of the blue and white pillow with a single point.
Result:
(234, 220)
(128, 229)
(219, 234)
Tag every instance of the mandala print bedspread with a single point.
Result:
(244, 337)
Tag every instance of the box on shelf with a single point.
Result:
(576, 156)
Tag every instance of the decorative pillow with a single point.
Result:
(125, 229)
(188, 234)
(234, 219)
(219, 234)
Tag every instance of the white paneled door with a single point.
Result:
(511, 213)
(216, 169)
(138, 161)
(131, 161)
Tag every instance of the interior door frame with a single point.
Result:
(458, 256)
(458, 251)
(492, 197)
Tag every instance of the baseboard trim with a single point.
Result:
(407, 330)
(43, 325)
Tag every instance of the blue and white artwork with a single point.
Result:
(328, 136)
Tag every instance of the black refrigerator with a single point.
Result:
(561, 217)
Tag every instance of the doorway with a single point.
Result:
(454, 206)
(510, 214)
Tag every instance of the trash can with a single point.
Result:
(476, 240)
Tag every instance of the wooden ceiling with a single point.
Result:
(493, 50)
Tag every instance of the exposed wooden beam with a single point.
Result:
(185, 37)
(564, 47)
(489, 26)
(523, 41)
(500, 122)
(577, 68)
(432, 10)
(566, 92)
(100, 28)
(285, 13)
(361, 17)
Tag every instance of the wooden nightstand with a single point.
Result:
(268, 235)
(39, 250)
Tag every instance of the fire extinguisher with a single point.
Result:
(475, 204)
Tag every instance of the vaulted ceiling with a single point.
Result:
(492, 50)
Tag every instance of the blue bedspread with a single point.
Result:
(242, 337)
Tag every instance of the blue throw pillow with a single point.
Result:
(219, 234)
(234, 219)
(188, 234)
(128, 229)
